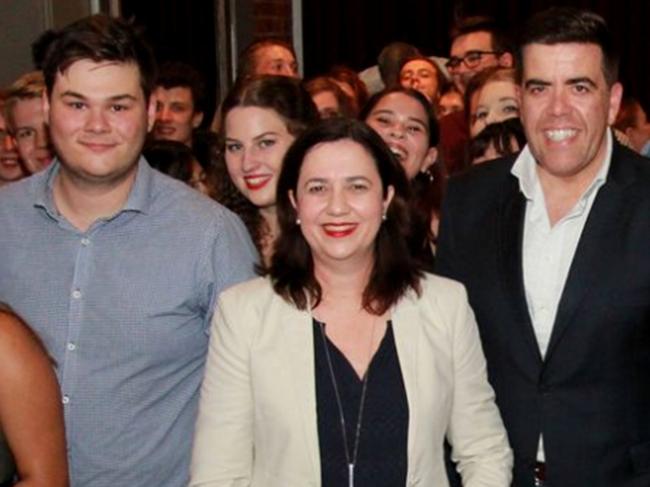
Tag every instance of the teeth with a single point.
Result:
(397, 152)
(560, 134)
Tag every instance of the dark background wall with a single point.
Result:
(186, 30)
(352, 32)
(341, 31)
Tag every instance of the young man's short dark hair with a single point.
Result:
(468, 25)
(96, 38)
(174, 74)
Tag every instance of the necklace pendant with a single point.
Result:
(351, 475)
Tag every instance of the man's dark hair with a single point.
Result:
(394, 270)
(560, 25)
(501, 42)
(247, 61)
(170, 157)
(175, 74)
(96, 38)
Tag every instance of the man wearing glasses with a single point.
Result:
(476, 44)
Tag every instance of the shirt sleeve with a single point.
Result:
(230, 259)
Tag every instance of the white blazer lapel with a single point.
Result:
(407, 328)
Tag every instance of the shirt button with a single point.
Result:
(85, 241)
(76, 294)
(71, 346)
(65, 399)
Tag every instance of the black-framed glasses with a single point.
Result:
(471, 59)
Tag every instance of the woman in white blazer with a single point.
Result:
(346, 365)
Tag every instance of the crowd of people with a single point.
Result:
(433, 272)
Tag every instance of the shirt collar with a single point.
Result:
(525, 170)
(139, 199)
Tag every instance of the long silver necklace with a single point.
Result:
(351, 460)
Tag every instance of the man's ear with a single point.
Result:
(45, 103)
(151, 112)
(615, 97)
(197, 118)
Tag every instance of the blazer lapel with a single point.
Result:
(509, 245)
(406, 329)
(299, 353)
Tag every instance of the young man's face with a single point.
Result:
(276, 60)
(98, 119)
(176, 118)
(32, 135)
(475, 53)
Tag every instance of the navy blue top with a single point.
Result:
(382, 455)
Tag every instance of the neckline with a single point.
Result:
(350, 370)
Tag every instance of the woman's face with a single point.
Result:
(404, 125)
(340, 203)
(422, 76)
(256, 141)
(496, 101)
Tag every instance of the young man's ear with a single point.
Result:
(151, 112)
(197, 118)
(45, 103)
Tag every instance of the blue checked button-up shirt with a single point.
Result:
(124, 309)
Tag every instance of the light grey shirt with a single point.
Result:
(124, 308)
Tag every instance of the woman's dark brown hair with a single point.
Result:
(394, 271)
(291, 102)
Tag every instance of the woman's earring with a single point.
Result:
(298, 222)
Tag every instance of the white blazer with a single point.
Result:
(257, 423)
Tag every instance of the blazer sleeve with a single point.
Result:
(476, 432)
(222, 454)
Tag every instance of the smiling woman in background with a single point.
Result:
(347, 365)
(492, 96)
(261, 119)
(405, 121)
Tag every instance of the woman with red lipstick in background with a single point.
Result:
(260, 120)
(404, 118)
(346, 365)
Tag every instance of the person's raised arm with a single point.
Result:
(31, 415)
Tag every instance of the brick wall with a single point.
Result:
(272, 18)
